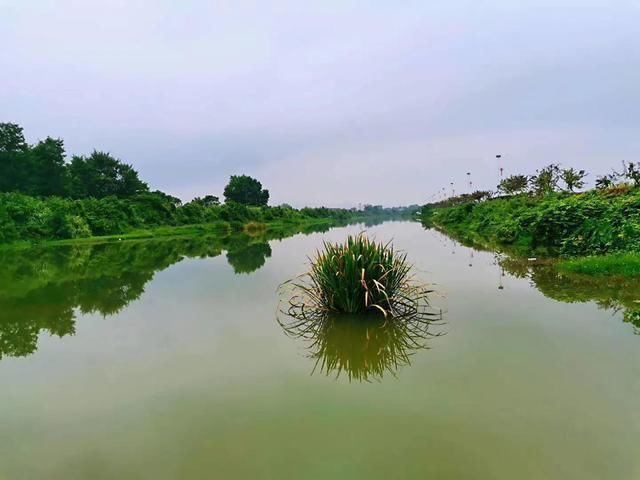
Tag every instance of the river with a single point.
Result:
(165, 360)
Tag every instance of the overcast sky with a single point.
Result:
(327, 102)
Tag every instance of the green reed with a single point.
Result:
(356, 276)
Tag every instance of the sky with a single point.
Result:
(330, 103)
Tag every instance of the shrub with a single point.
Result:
(357, 276)
(73, 226)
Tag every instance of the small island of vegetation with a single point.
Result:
(359, 292)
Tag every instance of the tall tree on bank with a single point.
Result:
(632, 172)
(246, 191)
(101, 175)
(47, 171)
(546, 180)
(11, 138)
(514, 184)
(573, 178)
(13, 152)
(38, 170)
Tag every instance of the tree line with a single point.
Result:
(547, 180)
(41, 170)
(44, 196)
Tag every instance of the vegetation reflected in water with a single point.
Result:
(362, 349)
(617, 294)
(360, 307)
(43, 289)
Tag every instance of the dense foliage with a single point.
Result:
(542, 211)
(246, 191)
(595, 222)
(41, 170)
(24, 217)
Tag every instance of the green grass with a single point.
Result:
(620, 264)
(220, 228)
(357, 276)
(568, 225)
(598, 230)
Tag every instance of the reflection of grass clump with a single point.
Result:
(363, 351)
(356, 276)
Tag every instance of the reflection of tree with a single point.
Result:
(41, 289)
(250, 258)
(619, 294)
(364, 348)
(633, 317)
(610, 293)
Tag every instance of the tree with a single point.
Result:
(11, 138)
(607, 181)
(175, 201)
(13, 158)
(101, 175)
(246, 191)
(573, 178)
(47, 169)
(546, 180)
(632, 172)
(207, 201)
(250, 258)
(480, 195)
(514, 184)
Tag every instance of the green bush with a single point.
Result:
(357, 276)
(595, 222)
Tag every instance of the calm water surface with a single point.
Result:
(164, 360)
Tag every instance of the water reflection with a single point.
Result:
(43, 289)
(618, 294)
(363, 349)
(249, 258)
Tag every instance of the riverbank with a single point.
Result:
(217, 229)
(595, 233)
(26, 220)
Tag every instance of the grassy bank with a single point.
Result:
(26, 220)
(621, 264)
(220, 229)
(601, 225)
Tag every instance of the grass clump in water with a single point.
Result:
(357, 276)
